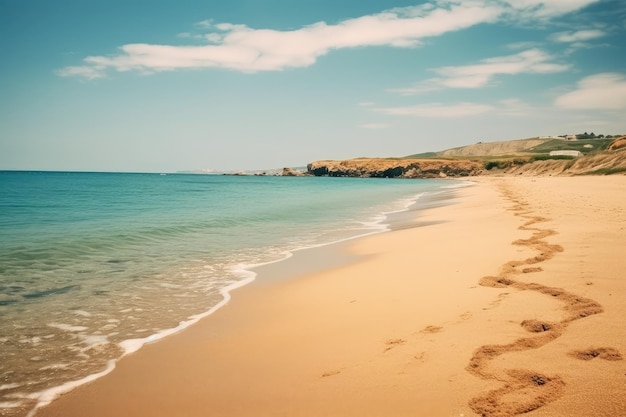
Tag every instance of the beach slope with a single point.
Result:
(511, 300)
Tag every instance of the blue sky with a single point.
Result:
(257, 84)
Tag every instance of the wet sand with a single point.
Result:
(510, 301)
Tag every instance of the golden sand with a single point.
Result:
(511, 301)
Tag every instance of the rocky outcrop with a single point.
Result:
(396, 168)
(290, 172)
(619, 143)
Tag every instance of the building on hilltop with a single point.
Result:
(573, 153)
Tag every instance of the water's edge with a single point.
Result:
(270, 271)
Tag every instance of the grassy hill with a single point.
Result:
(516, 148)
(583, 146)
(482, 149)
(526, 155)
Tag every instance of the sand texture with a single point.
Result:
(512, 301)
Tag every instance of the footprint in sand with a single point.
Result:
(606, 353)
(431, 329)
(525, 390)
(536, 326)
(392, 343)
(331, 373)
(532, 269)
(465, 316)
(497, 301)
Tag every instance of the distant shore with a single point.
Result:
(510, 300)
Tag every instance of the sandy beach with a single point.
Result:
(511, 300)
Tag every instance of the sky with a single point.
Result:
(165, 86)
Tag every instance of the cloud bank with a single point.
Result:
(507, 107)
(605, 91)
(532, 61)
(438, 110)
(241, 48)
(578, 36)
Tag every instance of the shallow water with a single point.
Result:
(92, 265)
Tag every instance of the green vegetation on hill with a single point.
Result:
(607, 171)
(594, 136)
(516, 153)
(508, 162)
(425, 155)
(517, 148)
(598, 156)
(574, 145)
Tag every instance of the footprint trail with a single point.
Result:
(525, 390)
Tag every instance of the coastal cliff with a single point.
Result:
(395, 168)
(597, 157)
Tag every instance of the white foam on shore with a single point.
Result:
(93, 340)
(9, 386)
(460, 184)
(11, 404)
(133, 345)
(67, 327)
(45, 397)
(375, 226)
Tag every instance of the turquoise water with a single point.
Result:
(92, 265)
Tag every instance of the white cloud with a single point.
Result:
(512, 107)
(431, 84)
(86, 72)
(532, 61)
(605, 91)
(545, 9)
(438, 110)
(578, 36)
(515, 107)
(523, 45)
(241, 48)
(578, 39)
(192, 36)
(205, 23)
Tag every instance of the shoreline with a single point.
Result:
(372, 332)
(295, 262)
(315, 259)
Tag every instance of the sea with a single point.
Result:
(95, 265)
